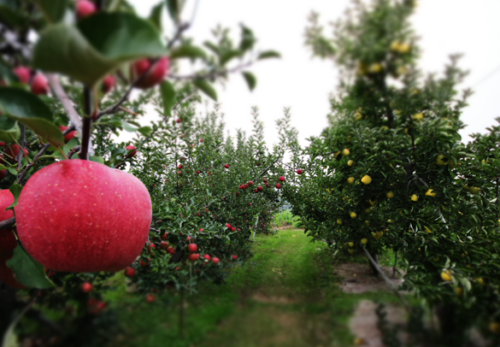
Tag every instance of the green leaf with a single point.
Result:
(268, 55)
(146, 131)
(8, 129)
(188, 51)
(247, 39)
(129, 127)
(229, 55)
(97, 159)
(27, 270)
(12, 171)
(11, 15)
(206, 88)
(99, 45)
(30, 110)
(174, 9)
(214, 48)
(250, 79)
(155, 16)
(169, 97)
(16, 190)
(53, 10)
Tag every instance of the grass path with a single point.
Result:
(286, 296)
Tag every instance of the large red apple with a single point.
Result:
(82, 216)
(8, 241)
(155, 75)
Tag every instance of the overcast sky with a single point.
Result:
(303, 84)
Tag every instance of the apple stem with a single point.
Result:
(87, 123)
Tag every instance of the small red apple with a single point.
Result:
(40, 85)
(260, 188)
(130, 272)
(192, 247)
(250, 183)
(150, 298)
(85, 8)
(215, 260)
(299, 171)
(13, 150)
(235, 257)
(86, 205)
(8, 241)
(171, 250)
(69, 136)
(233, 228)
(164, 245)
(155, 75)
(87, 287)
(207, 257)
(278, 186)
(194, 257)
(132, 151)
(179, 121)
(164, 236)
(201, 140)
(23, 73)
(108, 84)
(282, 179)
(180, 166)
(226, 166)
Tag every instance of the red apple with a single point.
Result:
(8, 241)
(164, 236)
(235, 257)
(226, 166)
(179, 121)
(201, 140)
(155, 75)
(192, 247)
(282, 179)
(150, 298)
(108, 84)
(194, 257)
(278, 186)
(180, 166)
(12, 152)
(171, 250)
(130, 272)
(250, 183)
(132, 151)
(69, 136)
(85, 8)
(215, 260)
(207, 257)
(260, 188)
(233, 228)
(23, 73)
(299, 171)
(40, 85)
(87, 287)
(102, 213)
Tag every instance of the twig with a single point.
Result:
(29, 166)
(8, 223)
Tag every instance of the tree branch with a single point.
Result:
(58, 90)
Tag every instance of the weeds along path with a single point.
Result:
(287, 295)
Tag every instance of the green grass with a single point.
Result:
(286, 218)
(286, 296)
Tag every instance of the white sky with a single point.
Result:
(302, 83)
